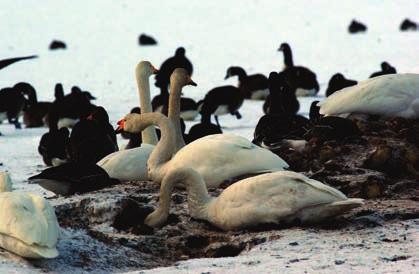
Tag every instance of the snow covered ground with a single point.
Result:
(103, 50)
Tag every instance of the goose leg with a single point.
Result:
(216, 119)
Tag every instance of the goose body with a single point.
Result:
(338, 82)
(71, 178)
(279, 197)
(386, 68)
(393, 95)
(28, 226)
(222, 100)
(253, 86)
(301, 78)
(216, 157)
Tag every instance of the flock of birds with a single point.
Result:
(87, 158)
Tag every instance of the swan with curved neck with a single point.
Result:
(28, 225)
(216, 157)
(282, 196)
(130, 164)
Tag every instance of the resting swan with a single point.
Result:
(217, 157)
(391, 95)
(28, 225)
(282, 196)
(130, 164)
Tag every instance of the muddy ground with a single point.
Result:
(103, 231)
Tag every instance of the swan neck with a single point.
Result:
(148, 135)
(174, 112)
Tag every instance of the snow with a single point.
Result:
(101, 37)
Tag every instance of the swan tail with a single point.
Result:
(318, 213)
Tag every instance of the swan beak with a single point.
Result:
(154, 70)
(192, 83)
(120, 127)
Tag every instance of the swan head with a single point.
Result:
(157, 218)
(131, 123)
(145, 69)
(5, 182)
(181, 76)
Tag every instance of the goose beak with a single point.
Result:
(120, 127)
(226, 77)
(155, 71)
(280, 48)
(191, 82)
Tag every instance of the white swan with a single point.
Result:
(282, 196)
(392, 95)
(28, 225)
(130, 164)
(216, 157)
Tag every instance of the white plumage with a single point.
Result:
(282, 196)
(129, 164)
(220, 157)
(28, 225)
(391, 95)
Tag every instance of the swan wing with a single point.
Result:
(385, 95)
(269, 198)
(29, 218)
(130, 164)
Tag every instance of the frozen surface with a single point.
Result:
(102, 52)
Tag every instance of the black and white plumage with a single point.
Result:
(52, 146)
(338, 82)
(386, 68)
(188, 108)
(356, 26)
(281, 122)
(135, 140)
(222, 100)
(71, 178)
(281, 99)
(407, 25)
(14, 100)
(168, 66)
(301, 78)
(330, 127)
(92, 138)
(202, 129)
(68, 109)
(253, 86)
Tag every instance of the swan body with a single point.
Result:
(226, 156)
(129, 164)
(392, 95)
(28, 226)
(217, 157)
(282, 196)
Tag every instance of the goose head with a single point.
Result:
(182, 77)
(5, 182)
(180, 52)
(145, 69)
(232, 71)
(284, 47)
